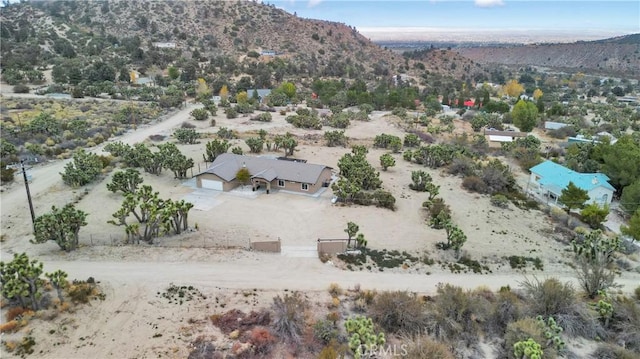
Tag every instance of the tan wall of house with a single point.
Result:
(325, 175)
(266, 246)
(332, 247)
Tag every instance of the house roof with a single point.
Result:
(227, 165)
(550, 125)
(262, 93)
(557, 177)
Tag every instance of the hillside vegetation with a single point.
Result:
(619, 56)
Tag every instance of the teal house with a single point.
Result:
(548, 179)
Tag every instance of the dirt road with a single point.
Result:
(46, 176)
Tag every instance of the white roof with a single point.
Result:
(495, 138)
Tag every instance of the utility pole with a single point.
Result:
(26, 185)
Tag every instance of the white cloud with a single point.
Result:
(488, 3)
(313, 3)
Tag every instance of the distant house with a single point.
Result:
(550, 125)
(262, 94)
(164, 45)
(268, 53)
(503, 136)
(549, 179)
(598, 138)
(271, 173)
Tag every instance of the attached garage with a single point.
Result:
(211, 184)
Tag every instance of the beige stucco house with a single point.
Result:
(265, 173)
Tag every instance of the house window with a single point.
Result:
(305, 186)
(280, 183)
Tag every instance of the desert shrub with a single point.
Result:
(15, 312)
(636, 292)
(237, 320)
(82, 291)
(411, 140)
(462, 166)
(288, 314)
(231, 112)
(335, 289)
(500, 200)
(549, 297)
(325, 331)
(625, 322)
(262, 340)
(610, 351)
(523, 330)
(9, 326)
(398, 312)
(423, 346)
(203, 350)
(187, 125)
(384, 199)
(225, 133)
(21, 88)
(455, 314)
(507, 308)
(263, 117)
(474, 184)
(562, 133)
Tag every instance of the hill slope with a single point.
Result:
(619, 56)
(38, 33)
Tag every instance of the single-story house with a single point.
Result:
(550, 125)
(262, 94)
(268, 172)
(550, 178)
(503, 136)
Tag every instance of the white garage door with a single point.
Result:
(210, 184)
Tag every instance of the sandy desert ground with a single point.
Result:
(127, 323)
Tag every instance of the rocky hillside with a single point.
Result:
(127, 31)
(616, 56)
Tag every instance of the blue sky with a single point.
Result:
(622, 17)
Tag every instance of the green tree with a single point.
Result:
(174, 160)
(573, 197)
(288, 89)
(633, 229)
(84, 169)
(255, 144)
(154, 215)
(362, 337)
(174, 73)
(215, 148)
(620, 161)
(361, 242)
(345, 189)
(186, 135)
(630, 199)
(126, 181)
(351, 231)
(286, 142)
(386, 161)
(59, 281)
(594, 215)
(455, 237)
(201, 114)
(594, 256)
(525, 115)
(335, 138)
(21, 281)
(61, 225)
(356, 169)
(243, 175)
